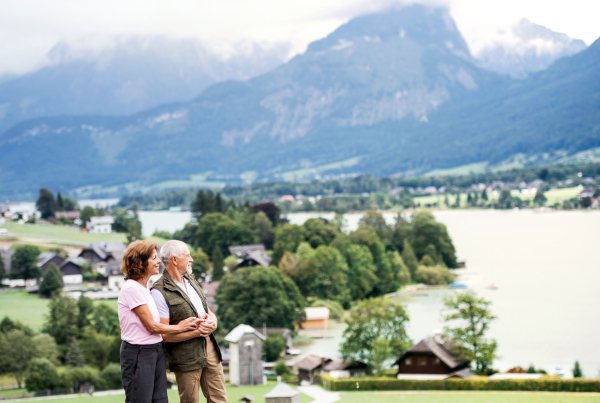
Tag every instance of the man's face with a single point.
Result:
(184, 262)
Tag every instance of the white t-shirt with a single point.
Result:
(133, 331)
(161, 303)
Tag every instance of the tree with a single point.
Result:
(105, 320)
(288, 237)
(217, 230)
(433, 275)
(17, 351)
(52, 282)
(386, 282)
(425, 231)
(380, 353)
(300, 268)
(361, 271)
(96, 348)
(207, 202)
(540, 199)
(273, 346)
(61, 322)
(41, 375)
(317, 233)
(121, 219)
(217, 271)
(134, 230)
(111, 376)
(577, 372)
(331, 274)
(373, 219)
(74, 356)
(505, 200)
(200, 265)
(484, 195)
(261, 226)
(399, 233)
(457, 201)
(86, 213)
(45, 347)
(258, 295)
(400, 270)
(408, 255)
(472, 318)
(24, 263)
(585, 201)
(8, 324)
(336, 311)
(270, 209)
(46, 204)
(375, 318)
(85, 307)
(2, 270)
(187, 234)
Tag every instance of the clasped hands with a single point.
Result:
(203, 325)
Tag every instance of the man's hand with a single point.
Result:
(207, 327)
(188, 324)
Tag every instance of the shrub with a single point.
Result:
(75, 376)
(547, 384)
(273, 346)
(434, 275)
(281, 368)
(41, 374)
(111, 376)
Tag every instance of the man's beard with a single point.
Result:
(189, 269)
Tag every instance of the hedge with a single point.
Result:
(545, 384)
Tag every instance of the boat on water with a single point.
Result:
(457, 285)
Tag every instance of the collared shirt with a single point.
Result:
(161, 303)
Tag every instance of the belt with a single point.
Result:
(140, 346)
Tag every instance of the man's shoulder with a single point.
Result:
(159, 284)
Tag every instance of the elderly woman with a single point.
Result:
(143, 368)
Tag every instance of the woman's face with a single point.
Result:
(153, 264)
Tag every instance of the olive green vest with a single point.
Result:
(186, 355)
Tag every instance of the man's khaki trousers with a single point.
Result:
(209, 378)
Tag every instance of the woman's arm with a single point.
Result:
(179, 337)
(143, 312)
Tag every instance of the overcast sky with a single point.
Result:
(29, 28)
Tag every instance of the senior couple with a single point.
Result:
(171, 321)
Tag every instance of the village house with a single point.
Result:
(316, 318)
(70, 269)
(100, 225)
(103, 253)
(340, 368)
(249, 255)
(588, 191)
(432, 358)
(71, 215)
(210, 292)
(310, 366)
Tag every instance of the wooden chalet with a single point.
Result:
(249, 255)
(340, 368)
(433, 358)
(309, 366)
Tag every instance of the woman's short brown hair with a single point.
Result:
(135, 260)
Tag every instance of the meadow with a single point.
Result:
(30, 309)
(467, 397)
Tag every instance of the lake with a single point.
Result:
(546, 267)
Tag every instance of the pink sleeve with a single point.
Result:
(134, 297)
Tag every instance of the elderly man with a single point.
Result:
(194, 356)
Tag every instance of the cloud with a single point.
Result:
(30, 28)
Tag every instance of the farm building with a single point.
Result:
(245, 361)
(316, 318)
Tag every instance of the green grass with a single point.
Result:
(467, 397)
(301, 173)
(61, 235)
(234, 394)
(30, 309)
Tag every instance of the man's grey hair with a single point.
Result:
(170, 249)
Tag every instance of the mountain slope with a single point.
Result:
(396, 91)
(133, 75)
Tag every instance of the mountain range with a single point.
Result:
(388, 93)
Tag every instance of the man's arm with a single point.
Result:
(179, 337)
(209, 325)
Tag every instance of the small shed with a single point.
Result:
(316, 318)
(282, 393)
(245, 362)
(247, 399)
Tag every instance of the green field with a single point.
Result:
(474, 168)
(468, 397)
(30, 309)
(61, 235)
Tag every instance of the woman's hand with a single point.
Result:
(188, 324)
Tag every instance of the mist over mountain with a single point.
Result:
(386, 93)
(528, 48)
(131, 75)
